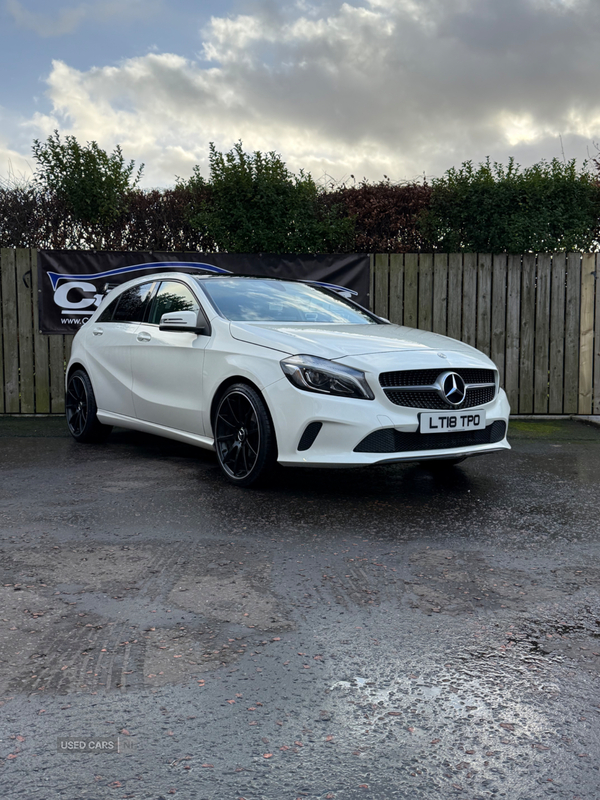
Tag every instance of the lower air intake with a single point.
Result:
(389, 440)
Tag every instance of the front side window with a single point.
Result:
(172, 296)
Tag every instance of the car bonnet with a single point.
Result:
(342, 341)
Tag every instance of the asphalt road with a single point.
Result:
(383, 633)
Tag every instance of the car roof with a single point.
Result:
(210, 276)
(179, 274)
(237, 276)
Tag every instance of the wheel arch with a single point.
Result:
(222, 388)
(73, 367)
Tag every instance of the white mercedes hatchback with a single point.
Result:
(266, 371)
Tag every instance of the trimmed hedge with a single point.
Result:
(258, 206)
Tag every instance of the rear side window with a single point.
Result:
(172, 296)
(107, 314)
(130, 306)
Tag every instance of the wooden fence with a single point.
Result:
(537, 316)
(33, 365)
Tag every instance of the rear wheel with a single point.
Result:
(81, 410)
(244, 436)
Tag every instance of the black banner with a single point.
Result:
(72, 283)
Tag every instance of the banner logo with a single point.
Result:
(73, 284)
(76, 296)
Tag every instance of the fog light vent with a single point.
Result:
(310, 434)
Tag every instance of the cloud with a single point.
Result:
(68, 19)
(395, 87)
(15, 162)
(15, 168)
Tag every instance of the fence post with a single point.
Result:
(411, 289)
(455, 295)
(425, 291)
(498, 341)
(586, 334)
(23, 274)
(382, 285)
(484, 302)
(469, 299)
(396, 288)
(440, 293)
(542, 335)
(513, 325)
(9, 332)
(572, 313)
(40, 344)
(557, 333)
(527, 334)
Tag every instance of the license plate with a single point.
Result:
(453, 421)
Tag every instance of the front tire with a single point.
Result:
(244, 436)
(81, 410)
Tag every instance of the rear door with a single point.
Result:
(109, 343)
(167, 365)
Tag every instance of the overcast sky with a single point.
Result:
(366, 87)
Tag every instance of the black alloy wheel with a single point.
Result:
(81, 409)
(244, 436)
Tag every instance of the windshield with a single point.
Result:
(264, 300)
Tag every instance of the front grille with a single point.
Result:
(478, 397)
(430, 399)
(389, 440)
(426, 377)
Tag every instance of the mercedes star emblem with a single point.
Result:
(451, 388)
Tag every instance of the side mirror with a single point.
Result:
(182, 321)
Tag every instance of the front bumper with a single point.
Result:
(346, 423)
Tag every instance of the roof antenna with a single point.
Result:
(562, 148)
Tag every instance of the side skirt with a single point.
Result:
(109, 418)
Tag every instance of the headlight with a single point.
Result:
(314, 374)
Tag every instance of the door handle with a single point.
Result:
(97, 331)
(144, 336)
